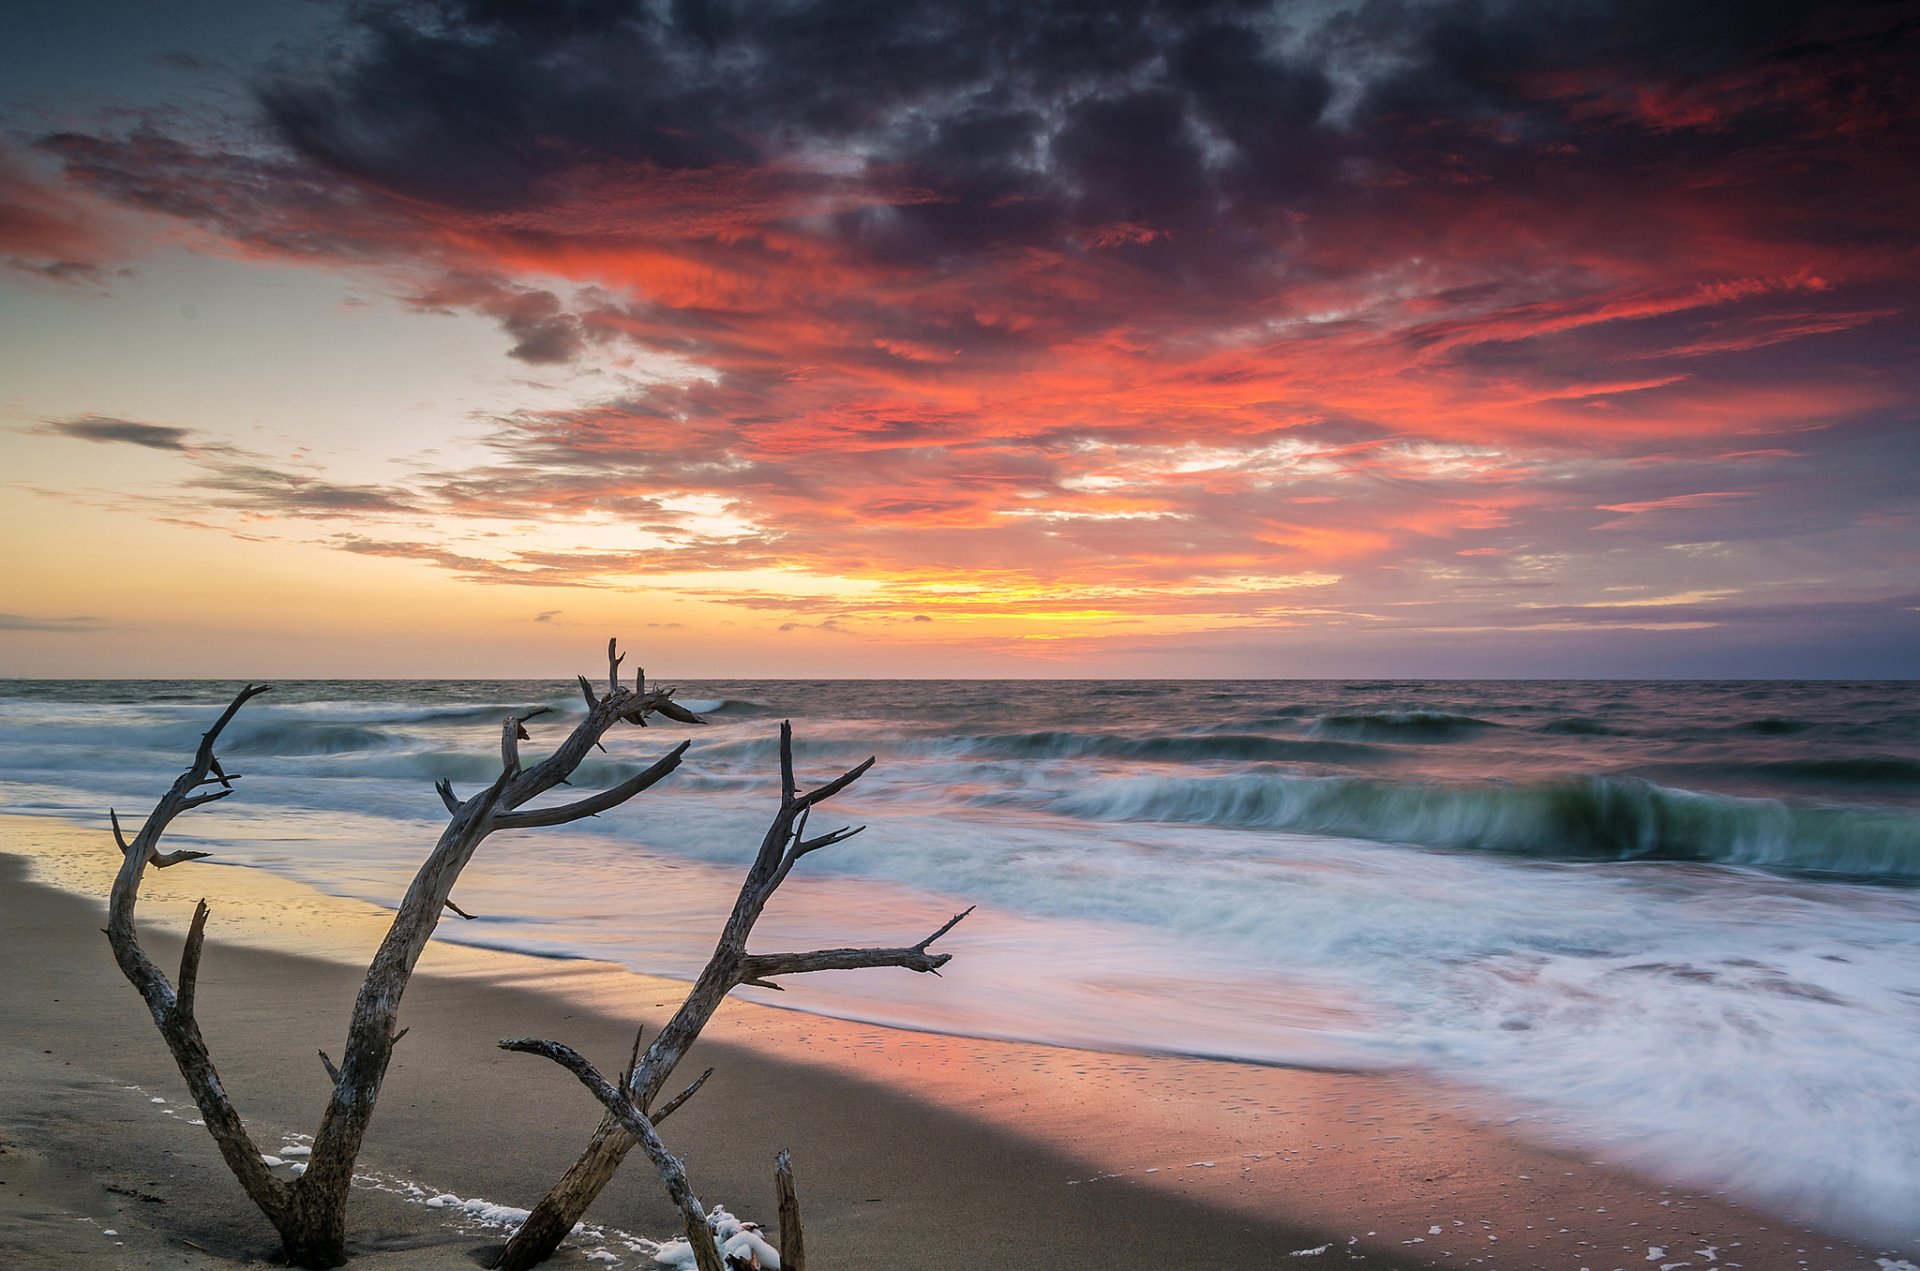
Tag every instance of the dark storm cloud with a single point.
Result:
(1030, 117)
(1198, 163)
(1163, 113)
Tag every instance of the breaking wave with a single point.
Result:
(1592, 819)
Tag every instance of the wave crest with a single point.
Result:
(1601, 818)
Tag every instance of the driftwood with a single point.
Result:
(673, 1172)
(793, 1245)
(309, 1212)
(729, 967)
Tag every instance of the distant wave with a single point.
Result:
(1773, 726)
(268, 736)
(1893, 775)
(1405, 726)
(738, 707)
(1612, 819)
(1197, 748)
(1855, 770)
(1580, 726)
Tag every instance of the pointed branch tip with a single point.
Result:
(633, 1060)
(613, 665)
(667, 1109)
(190, 961)
(945, 927)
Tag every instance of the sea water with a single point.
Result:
(1675, 922)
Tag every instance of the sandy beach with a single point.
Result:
(912, 1150)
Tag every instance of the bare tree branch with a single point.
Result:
(675, 711)
(595, 804)
(172, 1009)
(633, 1056)
(915, 957)
(787, 788)
(668, 1108)
(793, 1247)
(309, 1212)
(190, 959)
(730, 967)
(159, 860)
(826, 840)
(512, 733)
(836, 785)
(620, 1106)
(803, 847)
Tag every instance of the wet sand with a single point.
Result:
(911, 1150)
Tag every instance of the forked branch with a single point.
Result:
(309, 1212)
(620, 1107)
(172, 1007)
(914, 957)
(731, 966)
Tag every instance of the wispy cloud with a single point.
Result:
(130, 432)
(27, 622)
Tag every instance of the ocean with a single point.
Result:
(1676, 924)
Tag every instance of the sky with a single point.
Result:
(1349, 338)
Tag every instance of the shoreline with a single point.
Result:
(912, 1149)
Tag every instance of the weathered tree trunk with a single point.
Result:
(309, 1212)
(550, 1220)
(729, 967)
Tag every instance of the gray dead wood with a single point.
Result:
(309, 1212)
(620, 1107)
(729, 967)
(793, 1245)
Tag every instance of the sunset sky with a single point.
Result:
(1389, 338)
